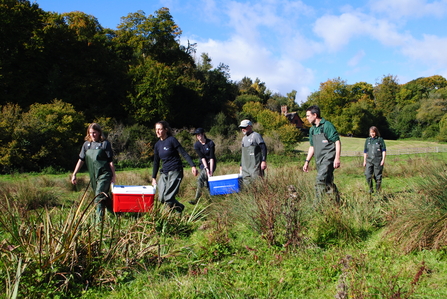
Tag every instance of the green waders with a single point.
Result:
(202, 181)
(373, 167)
(168, 187)
(100, 178)
(324, 152)
(251, 163)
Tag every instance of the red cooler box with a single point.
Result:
(133, 198)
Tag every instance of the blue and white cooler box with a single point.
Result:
(224, 184)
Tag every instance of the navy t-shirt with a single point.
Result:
(205, 151)
(167, 151)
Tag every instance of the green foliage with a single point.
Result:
(44, 137)
(385, 94)
(273, 124)
(404, 122)
(243, 99)
(132, 145)
(153, 88)
(223, 125)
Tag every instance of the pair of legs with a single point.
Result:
(324, 184)
(168, 187)
(374, 171)
(202, 181)
(103, 202)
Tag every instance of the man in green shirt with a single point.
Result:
(326, 146)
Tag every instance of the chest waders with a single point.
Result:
(373, 167)
(100, 177)
(251, 163)
(324, 152)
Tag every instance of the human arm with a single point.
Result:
(155, 166)
(310, 154)
(76, 170)
(212, 160)
(112, 168)
(365, 152)
(211, 169)
(264, 155)
(383, 158)
(188, 159)
(337, 154)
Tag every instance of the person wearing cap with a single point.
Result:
(205, 150)
(326, 146)
(254, 153)
(167, 150)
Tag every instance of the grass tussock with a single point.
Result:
(419, 220)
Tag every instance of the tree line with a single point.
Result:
(61, 71)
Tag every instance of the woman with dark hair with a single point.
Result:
(167, 150)
(205, 150)
(97, 153)
(374, 155)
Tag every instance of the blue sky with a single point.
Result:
(296, 45)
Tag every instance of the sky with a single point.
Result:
(296, 45)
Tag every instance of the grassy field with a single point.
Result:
(268, 241)
(352, 146)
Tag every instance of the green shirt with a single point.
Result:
(329, 131)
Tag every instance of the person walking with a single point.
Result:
(254, 153)
(97, 154)
(204, 148)
(374, 155)
(325, 145)
(167, 150)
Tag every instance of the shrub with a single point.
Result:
(44, 137)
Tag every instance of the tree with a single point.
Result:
(332, 97)
(272, 124)
(48, 135)
(156, 36)
(153, 88)
(385, 94)
(20, 49)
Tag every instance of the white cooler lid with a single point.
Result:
(224, 177)
(122, 189)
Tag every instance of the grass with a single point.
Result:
(265, 242)
(354, 146)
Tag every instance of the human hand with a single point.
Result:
(263, 165)
(337, 163)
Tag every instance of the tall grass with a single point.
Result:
(419, 220)
(267, 241)
(63, 251)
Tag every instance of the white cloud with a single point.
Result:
(409, 8)
(337, 31)
(431, 50)
(254, 61)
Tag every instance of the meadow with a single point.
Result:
(268, 241)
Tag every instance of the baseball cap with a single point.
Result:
(245, 123)
(199, 131)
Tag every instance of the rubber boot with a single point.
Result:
(378, 186)
(370, 185)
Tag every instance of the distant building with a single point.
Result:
(293, 117)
